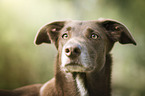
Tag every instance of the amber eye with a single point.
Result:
(94, 36)
(65, 36)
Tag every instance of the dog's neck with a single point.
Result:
(85, 84)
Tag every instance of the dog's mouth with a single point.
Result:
(75, 67)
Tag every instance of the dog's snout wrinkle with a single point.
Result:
(73, 51)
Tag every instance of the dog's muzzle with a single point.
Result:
(74, 58)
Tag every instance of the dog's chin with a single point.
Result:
(77, 68)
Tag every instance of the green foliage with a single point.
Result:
(23, 63)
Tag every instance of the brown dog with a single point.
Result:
(83, 64)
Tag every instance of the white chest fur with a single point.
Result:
(81, 87)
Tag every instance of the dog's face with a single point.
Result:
(83, 45)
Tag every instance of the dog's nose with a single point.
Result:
(73, 51)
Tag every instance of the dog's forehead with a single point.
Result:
(79, 27)
(81, 24)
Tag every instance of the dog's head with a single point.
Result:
(83, 45)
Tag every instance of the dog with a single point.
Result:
(83, 64)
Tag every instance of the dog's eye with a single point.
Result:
(65, 36)
(94, 36)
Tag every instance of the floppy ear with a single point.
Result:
(49, 32)
(117, 31)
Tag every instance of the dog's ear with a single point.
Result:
(49, 32)
(117, 31)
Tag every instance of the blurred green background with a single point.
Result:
(23, 63)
